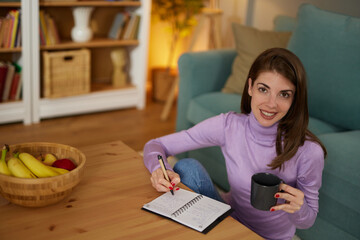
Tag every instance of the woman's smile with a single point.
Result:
(267, 115)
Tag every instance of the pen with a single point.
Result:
(161, 161)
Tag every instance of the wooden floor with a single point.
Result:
(133, 127)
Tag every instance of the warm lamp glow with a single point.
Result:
(160, 44)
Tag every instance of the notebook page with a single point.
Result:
(203, 213)
(167, 203)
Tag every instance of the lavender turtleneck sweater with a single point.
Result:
(248, 148)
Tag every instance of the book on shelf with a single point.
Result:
(10, 29)
(18, 35)
(4, 31)
(10, 33)
(117, 26)
(43, 28)
(191, 209)
(16, 85)
(8, 81)
(135, 31)
(53, 30)
(132, 27)
(125, 26)
(1, 24)
(3, 73)
(16, 95)
(15, 19)
(49, 34)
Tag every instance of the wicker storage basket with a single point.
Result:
(39, 192)
(66, 73)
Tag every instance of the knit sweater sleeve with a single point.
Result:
(209, 132)
(309, 182)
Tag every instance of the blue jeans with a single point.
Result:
(195, 176)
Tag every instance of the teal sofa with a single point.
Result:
(329, 46)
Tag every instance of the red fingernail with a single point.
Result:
(271, 210)
(277, 195)
(177, 189)
(173, 184)
(171, 188)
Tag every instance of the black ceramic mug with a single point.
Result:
(264, 186)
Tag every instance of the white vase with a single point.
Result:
(81, 32)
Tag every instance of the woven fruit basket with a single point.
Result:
(39, 192)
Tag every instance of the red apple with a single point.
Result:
(64, 163)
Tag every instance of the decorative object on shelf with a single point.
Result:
(119, 60)
(81, 32)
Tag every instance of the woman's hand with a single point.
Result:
(294, 199)
(160, 183)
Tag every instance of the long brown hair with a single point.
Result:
(293, 127)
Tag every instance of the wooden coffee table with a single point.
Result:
(107, 205)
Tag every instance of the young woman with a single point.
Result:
(270, 135)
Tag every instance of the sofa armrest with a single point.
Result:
(201, 72)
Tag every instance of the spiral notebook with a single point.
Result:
(190, 209)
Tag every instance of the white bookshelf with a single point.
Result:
(132, 96)
(20, 111)
(33, 107)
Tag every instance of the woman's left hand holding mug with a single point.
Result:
(294, 199)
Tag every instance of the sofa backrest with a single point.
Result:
(328, 44)
(284, 23)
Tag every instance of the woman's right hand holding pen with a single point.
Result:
(160, 183)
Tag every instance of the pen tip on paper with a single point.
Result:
(172, 192)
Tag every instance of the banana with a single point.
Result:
(59, 170)
(49, 159)
(3, 166)
(18, 169)
(36, 167)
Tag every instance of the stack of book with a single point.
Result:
(125, 26)
(49, 34)
(10, 30)
(10, 81)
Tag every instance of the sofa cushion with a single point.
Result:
(211, 104)
(284, 23)
(328, 44)
(319, 127)
(340, 192)
(322, 229)
(250, 42)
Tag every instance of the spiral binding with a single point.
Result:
(187, 205)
